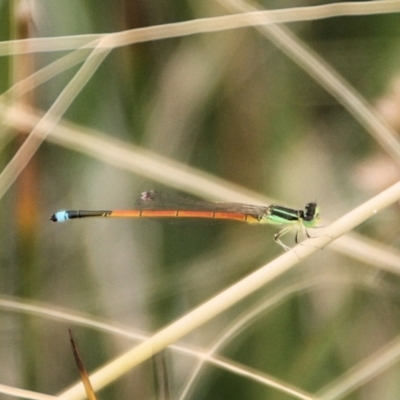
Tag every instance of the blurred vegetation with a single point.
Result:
(230, 104)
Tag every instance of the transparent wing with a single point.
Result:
(153, 200)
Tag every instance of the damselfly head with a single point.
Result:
(311, 214)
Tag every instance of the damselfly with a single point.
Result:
(153, 204)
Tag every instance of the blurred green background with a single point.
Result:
(230, 104)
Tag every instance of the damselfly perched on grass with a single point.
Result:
(154, 204)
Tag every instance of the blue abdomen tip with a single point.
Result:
(59, 216)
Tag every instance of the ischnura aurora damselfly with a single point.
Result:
(154, 204)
